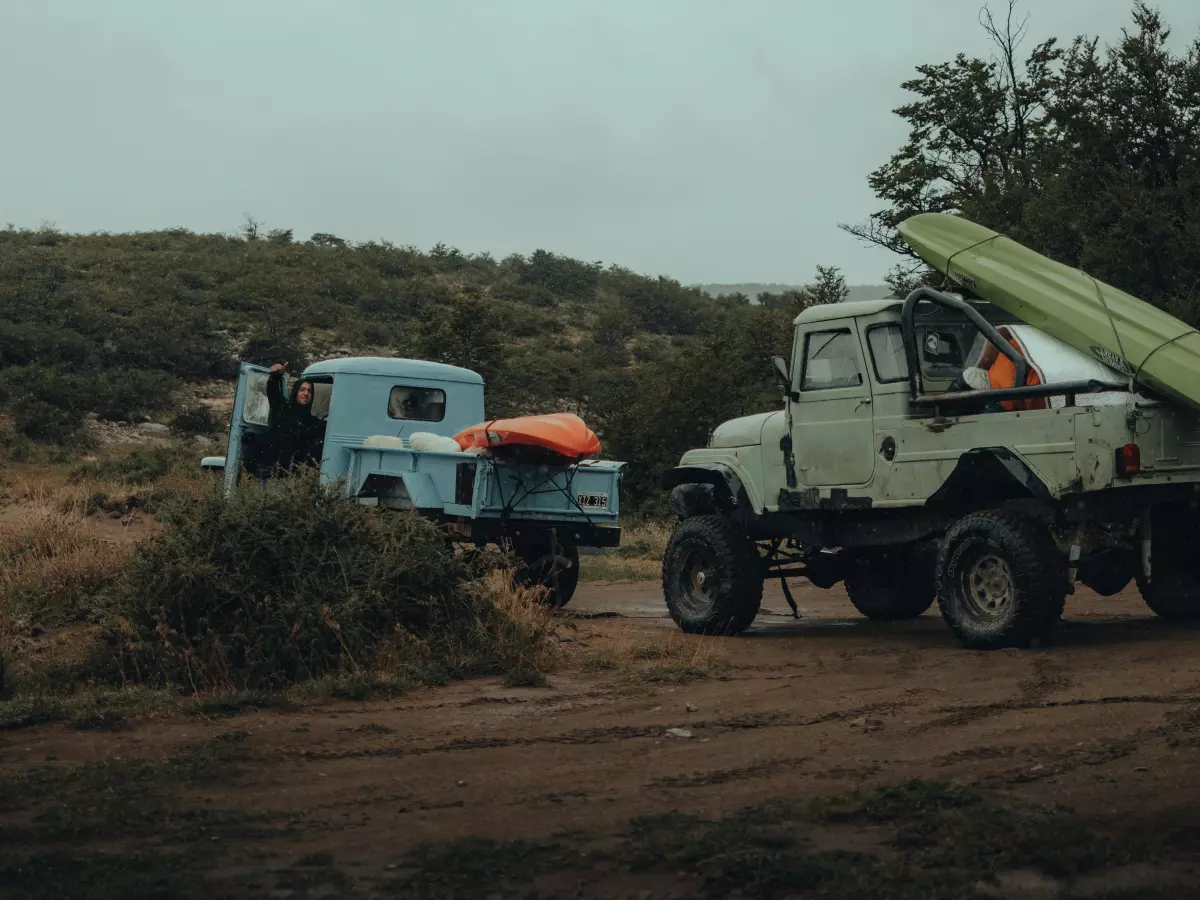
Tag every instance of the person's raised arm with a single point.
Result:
(275, 387)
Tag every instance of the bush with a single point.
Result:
(123, 395)
(47, 403)
(196, 419)
(289, 583)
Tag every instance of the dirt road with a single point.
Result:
(1106, 722)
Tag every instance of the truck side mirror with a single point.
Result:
(779, 364)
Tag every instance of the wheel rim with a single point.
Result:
(698, 578)
(988, 587)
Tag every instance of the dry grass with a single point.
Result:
(52, 564)
(513, 626)
(115, 499)
(117, 483)
(509, 630)
(639, 558)
(50, 561)
(633, 656)
(59, 549)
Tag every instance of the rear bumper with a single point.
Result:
(482, 531)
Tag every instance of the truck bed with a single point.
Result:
(466, 486)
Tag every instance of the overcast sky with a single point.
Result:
(711, 140)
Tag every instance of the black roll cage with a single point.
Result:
(1020, 390)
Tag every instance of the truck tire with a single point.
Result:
(712, 577)
(1001, 580)
(893, 585)
(559, 575)
(1173, 591)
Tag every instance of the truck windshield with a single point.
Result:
(830, 361)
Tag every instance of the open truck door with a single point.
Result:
(249, 423)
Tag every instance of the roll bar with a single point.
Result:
(1068, 388)
(909, 333)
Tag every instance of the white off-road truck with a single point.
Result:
(890, 471)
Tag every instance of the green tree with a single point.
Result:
(1089, 155)
(829, 287)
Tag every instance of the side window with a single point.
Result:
(887, 353)
(942, 352)
(322, 394)
(255, 408)
(417, 404)
(830, 361)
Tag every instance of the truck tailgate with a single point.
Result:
(587, 492)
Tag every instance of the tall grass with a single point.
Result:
(143, 479)
(669, 657)
(53, 569)
(639, 558)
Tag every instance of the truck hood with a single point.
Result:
(743, 432)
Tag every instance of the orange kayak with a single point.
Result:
(562, 434)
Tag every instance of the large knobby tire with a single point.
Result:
(712, 577)
(555, 570)
(894, 584)
(1001, 580)
(1173, 591)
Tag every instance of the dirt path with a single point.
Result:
(1107, 722)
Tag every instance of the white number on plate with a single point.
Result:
(593, 501)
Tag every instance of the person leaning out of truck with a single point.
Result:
(297, 435)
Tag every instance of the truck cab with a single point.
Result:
(359, 398)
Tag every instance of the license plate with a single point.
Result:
(593, 501)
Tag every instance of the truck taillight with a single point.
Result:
(1129, 460)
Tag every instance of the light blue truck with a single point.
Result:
(373, 409)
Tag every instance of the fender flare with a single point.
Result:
(729, 488)
(985, 476)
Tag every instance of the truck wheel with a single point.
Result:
(712, 577)
(1174, 589)
(893, 585)
(557, 571)
(1001, 580)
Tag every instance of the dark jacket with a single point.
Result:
(296, 435)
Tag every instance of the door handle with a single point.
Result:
(865, 401)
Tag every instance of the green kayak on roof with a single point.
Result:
(1118, 329)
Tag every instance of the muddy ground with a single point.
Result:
(582, 789)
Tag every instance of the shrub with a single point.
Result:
(196, 419)
(47, 403)
(288, 583)
(125, 394)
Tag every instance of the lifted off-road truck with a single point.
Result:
(884, 471)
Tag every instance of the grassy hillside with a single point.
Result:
(120, 326)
